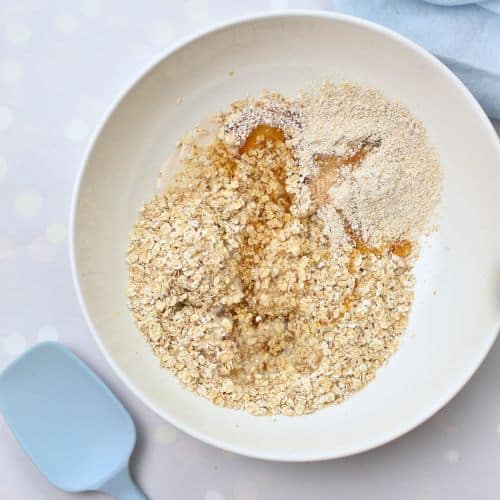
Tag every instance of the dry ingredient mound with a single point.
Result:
(274, 275)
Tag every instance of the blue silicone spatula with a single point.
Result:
(71, 425)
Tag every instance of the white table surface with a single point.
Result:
(61, 64)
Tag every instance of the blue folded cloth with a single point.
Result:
(464, 34)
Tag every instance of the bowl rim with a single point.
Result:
(385, 438)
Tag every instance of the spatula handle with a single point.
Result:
(122, 487)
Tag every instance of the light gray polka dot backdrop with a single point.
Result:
(61, 64)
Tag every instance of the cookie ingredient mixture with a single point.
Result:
(274, 274)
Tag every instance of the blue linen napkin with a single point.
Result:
(464, 34)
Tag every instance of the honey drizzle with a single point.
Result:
(328, 175)
(260, 134)
(329, 170)
(401, 248)
(266, 139)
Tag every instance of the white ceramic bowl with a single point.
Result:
(450, 331)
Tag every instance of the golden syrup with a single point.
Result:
(261, 134)
(329, 170)
(401, 248)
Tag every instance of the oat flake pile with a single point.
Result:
(274, 275)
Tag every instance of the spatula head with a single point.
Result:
(70, 424)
